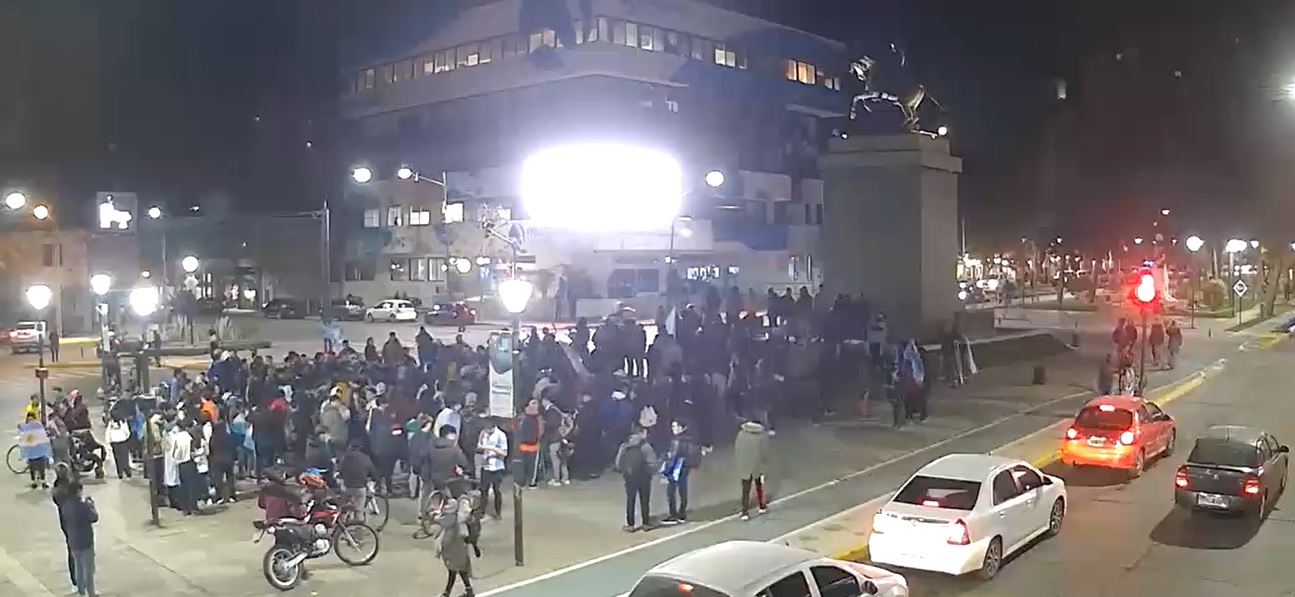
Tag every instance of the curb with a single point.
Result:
(188, 365)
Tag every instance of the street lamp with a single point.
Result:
(15, 200)
(154, 212)
(463, 266)
(405, 173)
(40, 212)
(515, 293)
(39, 296)
(715, 178)
(1137, 240)
(1164, 212)
(189, 264)
(362, 175)
(1194, 244)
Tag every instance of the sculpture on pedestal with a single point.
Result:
(880, 82)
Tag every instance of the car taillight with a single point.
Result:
(1251, 485)
(959, 534)
(1072, 433)
(1127, 438)
(1180, 478)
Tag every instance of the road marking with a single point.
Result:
(21, 578)
(711, 524)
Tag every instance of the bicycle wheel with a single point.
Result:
(377, 510)
(14, 460)
(427, 518)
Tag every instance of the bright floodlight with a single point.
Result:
(943, 131)
(15, 200)
(404, 173)
(1235, 245)
(39, 296)
(40, 212)
(1164, 212)
(602, 188)
(155, 212)
(1254, 244)
(1194, 243)
(1137, 240)
(515, 294)
(100, 283)
(685, 232)
(715, 178)
(189, 264)
(462, 265)
(143, 300)
(362, 175)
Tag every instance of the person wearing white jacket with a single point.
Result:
(118, 436)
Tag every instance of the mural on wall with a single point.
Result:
(881, 84)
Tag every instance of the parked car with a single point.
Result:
(282, 308)
(966, 513)
(1119, 432)
(350, 308)
(28, 336)
(392, 310)
(750, 569)
(450, 313)
(1232, 468)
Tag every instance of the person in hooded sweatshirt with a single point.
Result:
(79, 516)
(63, 494)
(750, 453)
(636, 461)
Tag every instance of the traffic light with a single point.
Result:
(1145, 293)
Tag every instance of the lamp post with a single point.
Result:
(101, 284)
(1194, 244)
(143, 302)
(515, 293)
(1233, 247)
(679, 227)
(39, 296)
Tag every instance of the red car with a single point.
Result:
(1119, 432)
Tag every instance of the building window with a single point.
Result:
(393, 216)
(802, 72)
(726, 56)
(789, 69)
(599, 33)
(437, 268)
(418, 269)
(452, 213)
(386, 74)
(631, 34)
(404, 71)
(469, 55)
(514, 45)
(833, 83)
(398, 273)
(372, 218)
(780, 215)
(425, 65)
(702, 49)
(549, 38)
(818, 214)
(359, 271)
(419, 217)
(677, 43)
(490, 50)
(47, 255)
(444, 61)
(618, 32)
(651, 39)
(367, 78)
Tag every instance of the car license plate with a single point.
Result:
(1211, 499)
(1096, 441)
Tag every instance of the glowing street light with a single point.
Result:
(1137, 240)
(943, 131)
(515, 293)
(189, 264)
(715, 178)
(15, 200)
(405, 173)
(1194, 243)
(1254, 244)
(1235, 245)
(1164, 212)
(362, 175)
(40, 212)
(462, 265)
(144, 300)
(154, 212)
(39, 296)
(100, 283)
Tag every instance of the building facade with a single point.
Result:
(480, 91)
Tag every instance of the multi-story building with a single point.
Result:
(480, 91)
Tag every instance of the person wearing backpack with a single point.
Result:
(634, 461)
(684, 456)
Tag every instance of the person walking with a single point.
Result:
(1175, 340)
(1157, 337)
(53, 345)
(492, 445)
(683, 457)
(750, 451)
(79, 515)
(634, 461)
(452, 547)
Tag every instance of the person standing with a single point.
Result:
(634, 461)
(749, 460)
(452, 547)
(682, 458)
(80, 516)
(118, 437)
(33, 442)
(53, 345)
(1157, 338)
(492, 445)
(1175, 335)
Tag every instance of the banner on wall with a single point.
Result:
(500, 347)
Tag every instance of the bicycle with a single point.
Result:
(14, 460)
(376, 510)
(428, 518)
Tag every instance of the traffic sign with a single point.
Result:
(42, 373)
(1240, 288)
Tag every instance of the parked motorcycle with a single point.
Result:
(324, 528)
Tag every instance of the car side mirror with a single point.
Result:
(869, 587)
(1283, 449)
(1047, 480)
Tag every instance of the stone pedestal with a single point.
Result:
(890, 227)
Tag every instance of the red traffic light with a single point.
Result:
(1146, 289)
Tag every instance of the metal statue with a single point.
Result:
(882, 80)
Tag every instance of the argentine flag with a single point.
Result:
(33, 441)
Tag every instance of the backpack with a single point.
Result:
(632, 462)
(647, 417)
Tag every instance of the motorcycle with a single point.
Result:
(324, 528)
(87, 454)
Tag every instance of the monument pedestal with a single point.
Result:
(890, 228)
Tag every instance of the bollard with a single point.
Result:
(1074, 339)
(1040, 375)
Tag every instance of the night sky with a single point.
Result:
(232, 102)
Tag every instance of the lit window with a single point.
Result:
(618, 32)
(425, 65)
(469, 55)
(404, 70)
(650, 38)
(444, 61)
(790, 69)
(372, 218)
(536, 40)
(398, 273)
(490, 50)
(725, 56)
(833, 83)
(393, 216)
(417, 269)
(436, 269)
(452, 212)
(419, 217)
(549, 38)
(805, 73)
(579, 27)
(631, 34)
(367, 78)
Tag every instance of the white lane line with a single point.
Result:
(787, 498)
(21, 578)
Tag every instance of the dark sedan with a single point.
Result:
(1232, 469)
(450, 313)
(284, 309)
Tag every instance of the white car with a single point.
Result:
(966, 513)
(28, 336)
(753, 569)
(392, 310)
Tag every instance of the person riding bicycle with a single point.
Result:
(356, 470)
(442, 464)
(77, 420)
